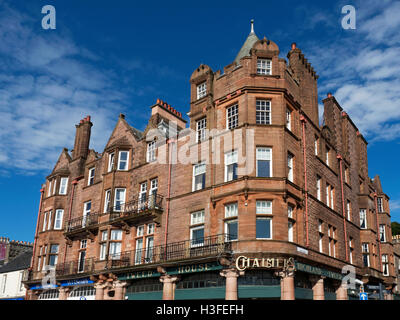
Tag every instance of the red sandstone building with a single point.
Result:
(270, 204)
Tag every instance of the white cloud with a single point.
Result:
(362, 69)
(394, 205)
(47, 84)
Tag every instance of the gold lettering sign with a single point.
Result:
(243, 262)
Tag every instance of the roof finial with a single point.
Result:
(252, 26)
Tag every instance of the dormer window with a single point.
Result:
(91, 177)
(264, 66)
(201, 90)
(123, 160)
(151, 151)
(63, 186)
(111, 161)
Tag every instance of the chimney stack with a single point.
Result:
(82, 138)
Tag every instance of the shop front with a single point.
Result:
(192, 281)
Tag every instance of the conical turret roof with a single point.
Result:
(248, 44)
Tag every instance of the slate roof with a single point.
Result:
(248, 44)
(20, 262)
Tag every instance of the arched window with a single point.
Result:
(83, 291)
(51, 294)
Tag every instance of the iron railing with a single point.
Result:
(188, 249)
(212, 246)
(82, 222)
(75, 267)
(136, 206)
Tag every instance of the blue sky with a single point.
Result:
(111, 57)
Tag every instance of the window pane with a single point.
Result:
(263, 168)
(263, 229)
(232, 230)
(263, 207)
(231, 210)
(197, 236)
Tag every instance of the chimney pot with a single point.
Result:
(294, 45)
(329, 95)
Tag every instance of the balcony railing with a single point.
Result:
(136, 206)
(75, 267)
(82, 222)
(212, 246)
(189, 249)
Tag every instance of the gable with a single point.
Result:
(123, 135)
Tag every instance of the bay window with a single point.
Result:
(199, 176)
(264, 162)
(231, 159)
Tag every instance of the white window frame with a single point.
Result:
(363, 212)
(140, 231)
(263, 111)
(153, 186)
(316, 145)
(192, 229)
(107, 198)
(121, 200)
(379, 202)
(201, 90)
(263, 207)
(348, 210)
(319, 188)
(365, 251)
(290, 209)
(58, 219)
(231, 210)
(385, 265)
(54, 185)
(197, 217)
(86, 212)
(382, 231)
(151, 228)
(151, 151)
(116, 235)
(111, 160)
(289, 119)
(290, 162)
(103, 251)
(91, 176)
(290, 231)
(44, 221)
(63, 186)
(232, 116)
(231, 158)
(198, 169)
(49, 188)
(327, 151)
(270, 227)
(201, 127)
(49, 219)
(139, 251)
(230, 221)
(321, 243)
(149, 249)
(264, 66)
(260, 156)
(126, 162)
